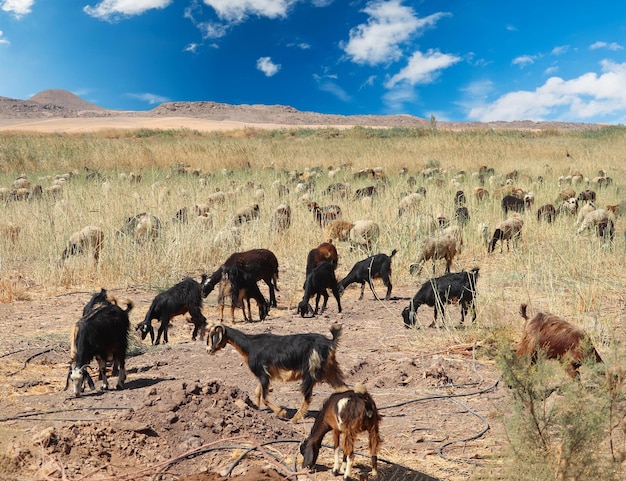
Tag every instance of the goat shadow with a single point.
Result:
(138, 383)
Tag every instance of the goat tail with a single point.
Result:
(522, 310)
(335, 330)
(360, 388)
(129, 305)
(393, 252)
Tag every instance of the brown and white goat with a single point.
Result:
(508, 229)
(309, 357)
(345, 413)
(557, 338)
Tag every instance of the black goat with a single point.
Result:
(262, 264)
(456, 287)
(309, 357)
(240, 286)
(317, 282)
(177, 300)
(102, 334)
(462, 216)
(374, 267)
(510, 202)
(99, 299)
(546, 212)
(348, 413)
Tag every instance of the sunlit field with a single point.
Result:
(106, 178)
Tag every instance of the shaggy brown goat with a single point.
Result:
(557, 338)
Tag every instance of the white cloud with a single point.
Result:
(389, 25)
(192, 47)
(560, 50)
(586, 97)
(396, 99)
(151, 99)
(236, 11)
(3, 40)
(265, 65)
(551, 70)
(524, 60)
(327, 83)
(19, 8)
(609, 46)
(111, 10)
(422, 68)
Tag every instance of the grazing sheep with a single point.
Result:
(512, 203)
(281, 219)
(567, 194)
(338, 229)
(310, 357)
(89, 238)
(456, 287)
(510, 228)
(558, 339)
(587, 207)
(481, 194)
(346, 413)
(459, 199)
(483, 232)
(142, 227)
(326, 214)
(592, 219)
(321, 278)
(186, 296)
(246, 214)
(364, 234)
(435, 248)
(456, 232)
(368, 191)
(374, 267)
(462, 216)
(568, 206)
(409, 203)
(587, 195)
(547, 213)
(228, 239)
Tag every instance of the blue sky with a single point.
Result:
(461, 60)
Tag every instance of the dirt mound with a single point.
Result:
(64, 99)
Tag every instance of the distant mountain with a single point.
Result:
(63, 98)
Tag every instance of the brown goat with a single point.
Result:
(326, 251)
(557, 338)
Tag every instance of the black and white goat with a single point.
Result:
(344, 413)
(374, 267)
(317, 283)
(101, 334)
(308, 357)
(239, 287)
(262, 264)
(456, 287)
(179, 299)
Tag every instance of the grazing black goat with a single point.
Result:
(102, 334)
(462, 215)
(546, 212)
(177, 300)
(344, 413)
(374, 267)
(239, 286)
(309, 357)
(317, 282)
(510, 202)
(456, 287)
(262, 264)
(368, 191)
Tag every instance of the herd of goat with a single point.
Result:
(102, 331)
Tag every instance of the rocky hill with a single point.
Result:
(57, 103)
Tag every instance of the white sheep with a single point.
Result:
(281, 219)
(456, 232)
(246, 214)
(593, 219)
(435, 248)
(409, 203)
(228, 239)
(364, 234)
(89, 238)
(589, 206)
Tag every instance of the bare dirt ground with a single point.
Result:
(187, 415)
